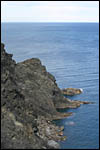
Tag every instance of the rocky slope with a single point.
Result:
(29, 101)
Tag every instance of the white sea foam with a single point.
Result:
(81, 89)
(70, 123)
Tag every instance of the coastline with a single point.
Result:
(30, 99)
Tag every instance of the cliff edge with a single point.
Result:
(29, 96)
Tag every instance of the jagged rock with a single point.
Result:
(71, 91)
(19, 109)
(75, 103)
(83, 102)
(49, 130)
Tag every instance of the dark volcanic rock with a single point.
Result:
(15, 122)
(39, 88)
(27, 91)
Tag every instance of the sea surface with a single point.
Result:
(70, 51)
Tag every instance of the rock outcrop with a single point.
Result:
(29, 101)
(71, 91)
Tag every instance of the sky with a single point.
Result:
(49, 11)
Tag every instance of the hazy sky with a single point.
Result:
(50, 11)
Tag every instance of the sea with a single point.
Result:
(70, 51)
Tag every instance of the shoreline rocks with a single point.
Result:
(48, 130)
(71, 91)
(53, 145)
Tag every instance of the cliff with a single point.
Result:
(28, 92)
(29, 101)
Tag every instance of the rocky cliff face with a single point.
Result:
(29, 101)
(28, 92)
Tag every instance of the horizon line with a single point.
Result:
(49, 22)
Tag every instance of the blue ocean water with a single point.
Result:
(70, 51)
